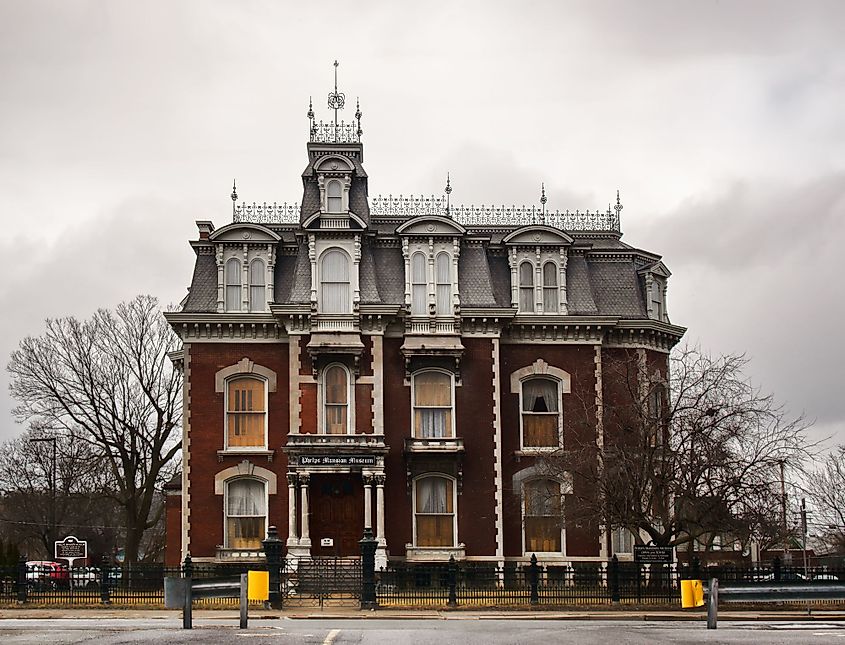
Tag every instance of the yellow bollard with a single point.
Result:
(259, 585)
(692, 593)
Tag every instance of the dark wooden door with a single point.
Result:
(337, 512)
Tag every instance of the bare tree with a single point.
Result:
(826, 488)
(108, 382)
(688, 455)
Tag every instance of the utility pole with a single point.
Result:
(52, 536)
(804, 536)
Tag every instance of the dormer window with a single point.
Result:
(334, 282)
(418, 285)
(334, 197)
(550, 288)
(443, 284)
(257, 291)
(233, 285)
(526, 287)
(657, 299)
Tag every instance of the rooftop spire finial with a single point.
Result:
(543, 201)
(359, 131)
(448, 192)
(336, 99)
(617, 208)
(234, 195)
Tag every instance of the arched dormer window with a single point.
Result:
(657, 299)
(334, 197)
(526, 287)
(550, 289)
(418, 285)
(336, 400)
(334, 282)
(442, 266)
(257, 293)
(233, 285)
(433, 405)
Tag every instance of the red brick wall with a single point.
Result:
(397, 425)
(173, 529)
(207, 428)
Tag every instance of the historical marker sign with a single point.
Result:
(337, 460)
(653, 554)
(71, 549)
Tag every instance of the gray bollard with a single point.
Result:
(713, 604)
(244, 600)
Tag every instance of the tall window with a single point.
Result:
(336, 400)
(246, 413)
(444, 284)
(432, 405)
(622, 541)
(233, 285)
(657, 299)
(655, 421)
(550, 290)
(334, 276)
(257, 293)
(542, 516)
(540, 413)
(334, 201)
(246, 513)
(419, 286)
(434, 511)
(526, 287)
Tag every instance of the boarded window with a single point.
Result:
(540, 413)
(543, 517)
(246, 413)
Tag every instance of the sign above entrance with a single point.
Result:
(652, 554)
(337, 460)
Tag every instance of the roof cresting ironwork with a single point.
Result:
(335, 131)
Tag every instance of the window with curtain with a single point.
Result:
(526, 287)
(442, 269)
(432, 405)
(246, 413)
(233, 285)
(334, 199)
(622, 541)
(334, 282)
(246, 514)
(543, 518)
(419, 286)
(550, 290)
(336, 400)
(434, 511)
(540, 413)
(257, 293)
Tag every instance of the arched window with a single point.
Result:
(656, 417)
(233, 285)
(334, 277)
(336, 399)
(434, 511)
(246, 413)
(257, 293)
(540, 413)
(542, 516)
(419, 286)
(246, 513)
(526, 287)
(334, 200)
(657, 299)
(432, 402)
(444, 284)
(550, 291)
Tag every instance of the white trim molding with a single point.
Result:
(244, 469)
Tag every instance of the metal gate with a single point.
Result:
(320, 582)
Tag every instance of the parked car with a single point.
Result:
(46, 574)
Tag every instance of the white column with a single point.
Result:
(380, 509)
(368, 500)
(292, 537)
(305, 539)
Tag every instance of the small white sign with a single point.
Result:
(71, 549)
(326, 542)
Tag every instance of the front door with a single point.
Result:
(337, 512)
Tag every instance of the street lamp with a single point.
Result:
(52, 440)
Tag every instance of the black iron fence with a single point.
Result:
(327, 581)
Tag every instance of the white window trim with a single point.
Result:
(414, 406)
(455, 541)
(228, 380)
(431, 249)
(541, 369)
(522, 445)
(350, 402)
(352, 282)
(244, 367)
(263, 303)
(226, 484)
(227, 285)
(538, 257)
(522, 287)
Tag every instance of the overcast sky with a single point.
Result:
(720, 122)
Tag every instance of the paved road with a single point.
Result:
(413, 632)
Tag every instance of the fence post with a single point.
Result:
(368, 569)
(22, 580)
(776, 568)
(533, 580)
(613, 570)
(452, 581)
(187, 609)
(273, 553)
(695, 574)
(104, 584)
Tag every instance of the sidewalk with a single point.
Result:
(350, 613)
